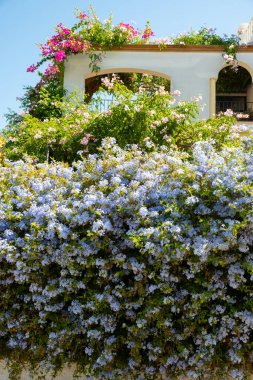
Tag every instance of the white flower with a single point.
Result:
(176, 93)
(38, 136)
(228, 112)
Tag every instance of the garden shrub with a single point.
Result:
(131, 118)
(55, 138)
(130, 263)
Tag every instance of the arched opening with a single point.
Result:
(234, 90)
(132, 80)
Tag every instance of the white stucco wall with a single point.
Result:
(245, 32)
(190, 72)
(67, 374)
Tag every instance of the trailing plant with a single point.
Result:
(88, 35)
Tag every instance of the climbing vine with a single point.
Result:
(88, 35)
(92, 36)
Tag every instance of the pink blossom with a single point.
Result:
(31, 68)
(86, 139)
(147, 33)
(86, 46)
(129, 28)
(60, 55)
(82, 15)
(51, 70)
(46, 50)
(62, 29)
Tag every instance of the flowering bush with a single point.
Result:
(41, 101)
(133, 117)
(157, 115)
(145, 264)
(83, 37)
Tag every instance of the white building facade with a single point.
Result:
(245, 31)
(191, 69)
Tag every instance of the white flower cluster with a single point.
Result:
(130, 263)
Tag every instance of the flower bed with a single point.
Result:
(129, 263)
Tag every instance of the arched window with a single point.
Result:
(234, 90)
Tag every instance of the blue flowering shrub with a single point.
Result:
(129, 264)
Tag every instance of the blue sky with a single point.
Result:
(25, 22)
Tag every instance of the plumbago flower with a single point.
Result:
(135, 281)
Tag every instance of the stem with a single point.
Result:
(93, 12)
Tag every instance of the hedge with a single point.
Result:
(129, 263)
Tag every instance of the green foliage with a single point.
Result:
(134, 116)
(41, 101)
(2, 144)
(151, 114)
(216, 129)
(205, 36)
(102, 34)
(54, 138)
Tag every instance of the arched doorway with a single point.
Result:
(234, 90)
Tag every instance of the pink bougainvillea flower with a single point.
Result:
(82, 15)
(128, 28)
(60, 55)
(46, 50)
(31, 68)
(62, 29)
(86, 46)
(147, 33)
(51, 70)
